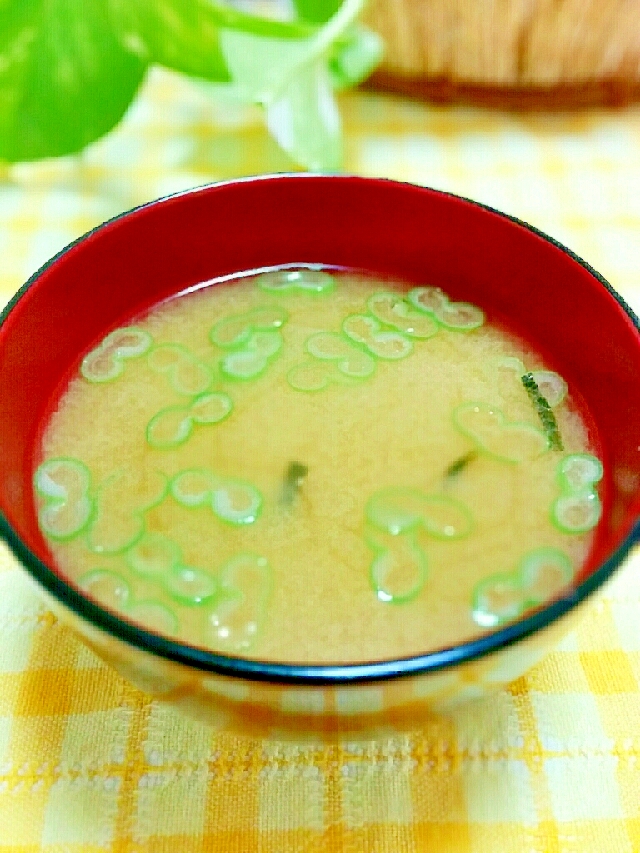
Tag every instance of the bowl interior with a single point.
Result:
(515, 274)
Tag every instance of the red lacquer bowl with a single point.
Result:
(546, 294)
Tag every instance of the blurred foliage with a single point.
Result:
(69, 69)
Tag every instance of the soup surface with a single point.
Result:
(315, 466)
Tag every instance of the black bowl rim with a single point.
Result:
(317, 674)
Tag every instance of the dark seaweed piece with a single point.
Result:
(460, 464)
(547, 418)
(293, 479)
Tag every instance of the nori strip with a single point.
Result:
(547, 418)
(294, 477)
(460, 464)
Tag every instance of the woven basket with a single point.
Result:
(510, 53)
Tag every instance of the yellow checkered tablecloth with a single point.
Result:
(88, 764)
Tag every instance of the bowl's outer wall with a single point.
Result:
(341, 711)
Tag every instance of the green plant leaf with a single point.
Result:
(65, 80)
(305, 120)
(355, 56)
(300, 108)
(316, 10)
(174, 36)
(69, 69)
(261, 66)
(184, 36)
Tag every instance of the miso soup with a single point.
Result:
(312, 465)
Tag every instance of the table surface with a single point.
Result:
(87, 763)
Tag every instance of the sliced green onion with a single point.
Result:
(390, 346)
(309, 376)
(510, 362)
(211, 408)
(106, 361)
(236, 502)
(446, 518)
(114, 530)
(543, 573)
(579, 472)
(266, 343)
(62, 477)
(154, 555)
(502, 598)
(101, 365)
(154, 616)
(107, 588)
(508, 441)
(190, 586)
(64, 521)
(128, 342)
(119, 522)
(391, 309)
(497, 600)
(243, 365)
(459, 316)
(64, 484)
(305, 280)
(398, 574)
(456, 316)
(328, 346)
(244, 591)
(172, 426)
(395, 509)
(356, 365)
(193, 487)
(576, 513)
(169, 428)
(338, 362)
(368, 332)
(427, 299)
(360, 328)
(251, 360)
(164, 358)
(187, 374)
(150, 487)
(235, 331)
(578, 509)
(233, 501)
(350, 361)
(551, 385)
(246, 573)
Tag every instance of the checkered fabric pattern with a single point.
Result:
(88, 764)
